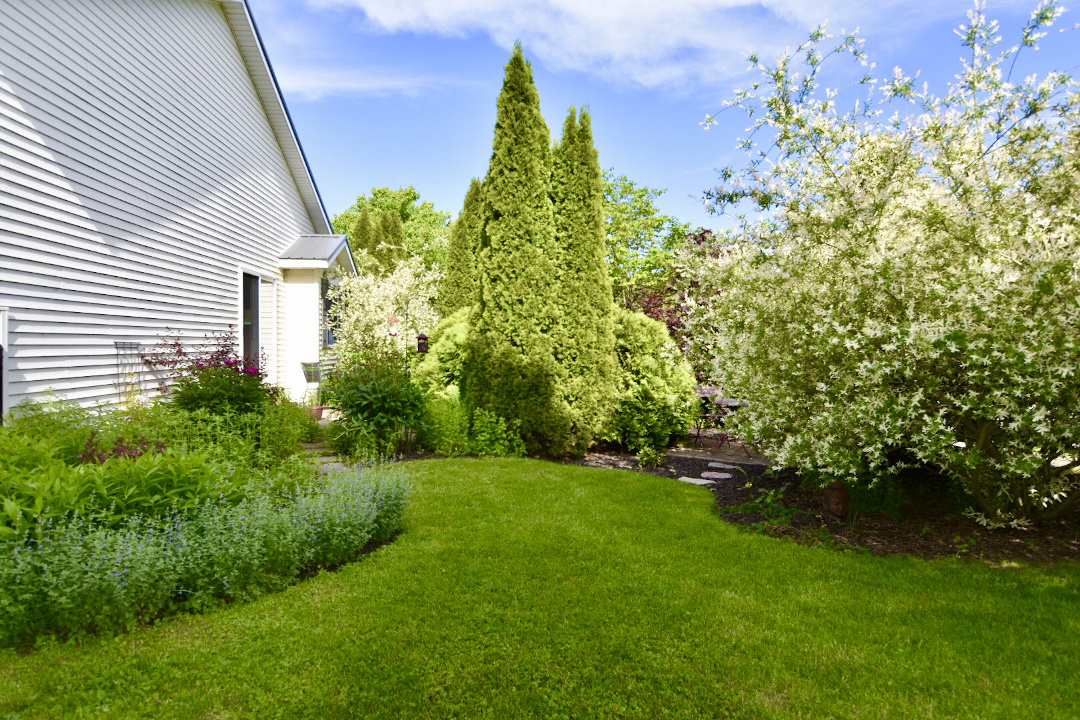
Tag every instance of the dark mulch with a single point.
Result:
(924, 520)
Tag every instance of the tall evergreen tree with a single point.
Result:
(460, 284)
(362, 232)
(584, 339)
(511, 368)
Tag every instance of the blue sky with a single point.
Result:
(402, 92)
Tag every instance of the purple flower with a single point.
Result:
(231, 362)
(252, 370)
(199, 364)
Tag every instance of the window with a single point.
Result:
(250, 330)
(328, 318)
(3, 362)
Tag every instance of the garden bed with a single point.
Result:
(925, 523)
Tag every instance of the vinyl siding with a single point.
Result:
(138, 176)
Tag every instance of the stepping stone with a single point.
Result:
(695, 481)
(716, 476)
(723, 466)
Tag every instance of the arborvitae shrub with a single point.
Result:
(459, 287)
(584, 339)
(442, 366)
(657, 402)
(511, 368)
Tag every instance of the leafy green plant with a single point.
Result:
(492, 435)
(442, 366)
(232, 387)
(770, 503)
(83, 575)
(447, 429)
(651, 457)
(62, 461)
(377, 399)
(63, 426)
(452, 429)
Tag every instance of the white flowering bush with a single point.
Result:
(901, 282)
(380, 315)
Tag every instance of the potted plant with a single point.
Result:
(836, 499)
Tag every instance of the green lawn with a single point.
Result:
(522, 588)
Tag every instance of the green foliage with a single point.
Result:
(511, 369)
(378, 244)
(452, 430)
(650, 457)
(443, 365)
(82, 576)
(63, 428)
(179, 459)
(641, 242)
(381, 407)
(584, 339)
(460, 284)
(447, 430)
(769, 503)
(397, 226)
(656, 388)
(492, 435)
(913, 283)
(232, 387)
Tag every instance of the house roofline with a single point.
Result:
(253, 51)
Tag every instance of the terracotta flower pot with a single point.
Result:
(836, 499)
(316, 410)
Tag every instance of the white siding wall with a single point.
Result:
(138, 174)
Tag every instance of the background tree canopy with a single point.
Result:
(641, 241)
(398, 226)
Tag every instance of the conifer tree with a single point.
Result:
(363, 231)
(460, 284)
(584, 339)
(511, 367)
(387, 246)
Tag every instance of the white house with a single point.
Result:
(150, 180)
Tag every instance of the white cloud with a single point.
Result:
(651, 43)
(309, 66)
(315, 82)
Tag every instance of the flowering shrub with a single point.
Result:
(233, 386)
(80, 576)
(910, 290)
(364, 305)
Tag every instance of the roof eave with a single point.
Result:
(291, 264)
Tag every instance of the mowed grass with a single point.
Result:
(522, 588)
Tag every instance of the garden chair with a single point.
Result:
(723, 407)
